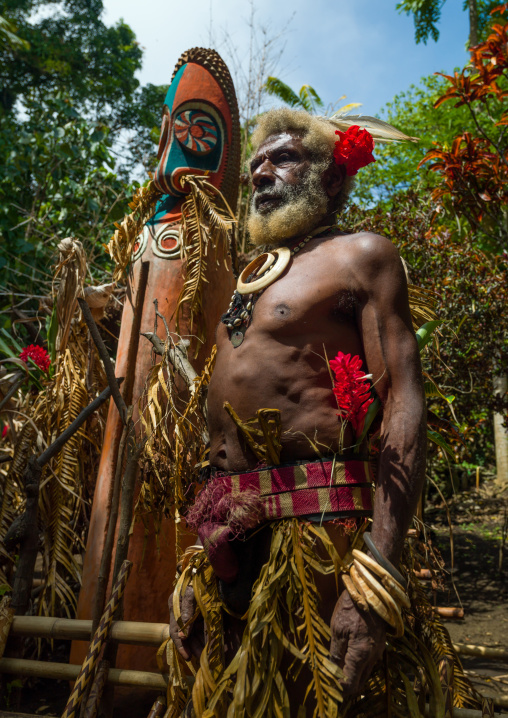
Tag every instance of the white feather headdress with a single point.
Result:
(380, 131)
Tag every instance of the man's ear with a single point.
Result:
(333, 179)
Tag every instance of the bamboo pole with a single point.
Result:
(70, 671)
(134, 633)
(469, 649)
(450, 612)
(460, 713)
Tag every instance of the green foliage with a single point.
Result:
(56, 180)
(471, 290)
(306, 99)
(413, 112)
(427, 14)
(74, 123)
(8, 35)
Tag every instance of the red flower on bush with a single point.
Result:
(354, 149)
(39, 355)
(351, 389)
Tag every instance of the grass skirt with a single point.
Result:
(419, 672)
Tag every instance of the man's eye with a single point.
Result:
(284, 157)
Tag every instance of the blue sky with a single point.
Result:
(363, 49)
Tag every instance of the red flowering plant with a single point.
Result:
(354, 149)
(351, 387)
(38, 355)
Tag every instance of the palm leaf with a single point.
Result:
(277, 88)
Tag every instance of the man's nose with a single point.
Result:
(263, 174)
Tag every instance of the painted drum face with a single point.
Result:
(198, 133)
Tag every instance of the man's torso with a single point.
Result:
(311, 309)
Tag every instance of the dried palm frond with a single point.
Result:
(171, 455)
(12, 494)
(283, 615)
(121, 245)
(207, 220)
(71, 271)
(422, 303)
(64, 395)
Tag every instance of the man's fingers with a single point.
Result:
(176, 637)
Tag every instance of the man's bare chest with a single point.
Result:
(311, 293)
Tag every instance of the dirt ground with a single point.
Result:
(477, 578)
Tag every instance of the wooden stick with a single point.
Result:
(468, 649)
(12, 390)
(109, 542)
(134, 633)
(57, 445)
(450, 612)
(103, 353)
(97, 643)
(69, 672)
(97, 689)
(28, 539)
(158, 708)
(424, 574)
(132, 350)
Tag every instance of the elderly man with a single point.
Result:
(319, 299)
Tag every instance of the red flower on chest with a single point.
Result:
(351, 389)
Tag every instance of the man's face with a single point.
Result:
(288, 198)
(278, 170)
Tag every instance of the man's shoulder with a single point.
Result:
(366, 247)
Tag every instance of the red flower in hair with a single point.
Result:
(39, 355)
(354, 149)
(351, 389)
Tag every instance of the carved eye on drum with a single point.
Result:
(166, 244)
(140, 244)
(197, 131)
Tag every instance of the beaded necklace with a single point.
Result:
(257, 276)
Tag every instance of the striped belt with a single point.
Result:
(341, 487)
(231, 504)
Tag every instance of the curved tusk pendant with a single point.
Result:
(244, 287)
(270, 260)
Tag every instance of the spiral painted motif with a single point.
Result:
(196, 130)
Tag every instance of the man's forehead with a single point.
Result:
(280, 139)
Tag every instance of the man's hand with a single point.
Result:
(192, 642)
(358, 642)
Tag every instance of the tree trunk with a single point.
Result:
(501, 434)
(473, 23)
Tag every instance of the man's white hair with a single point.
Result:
(317, 134)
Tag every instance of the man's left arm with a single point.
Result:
(392, 357)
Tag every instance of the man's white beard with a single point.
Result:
(303, 208)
